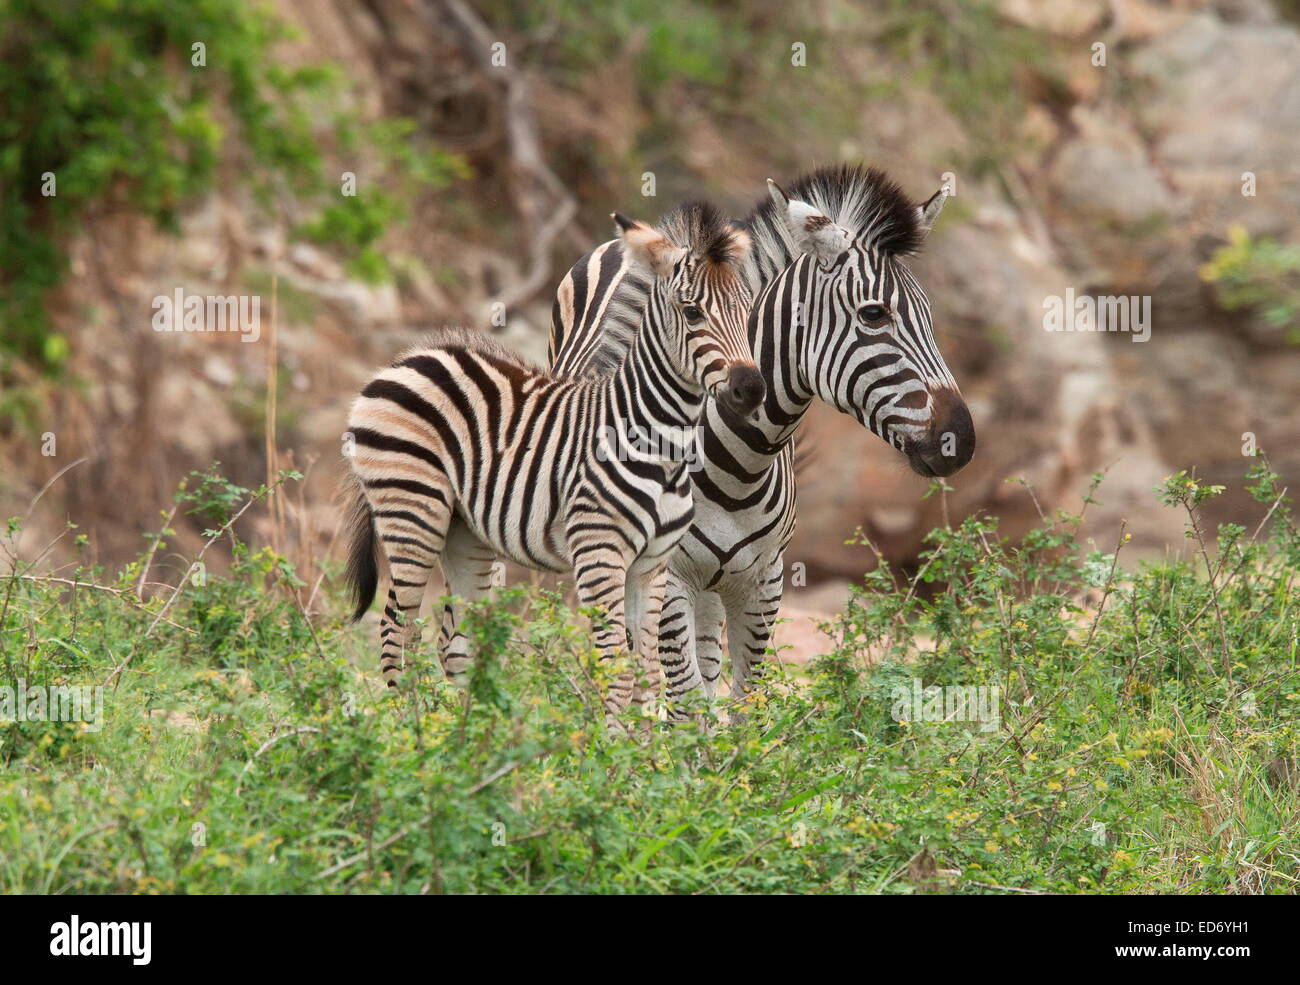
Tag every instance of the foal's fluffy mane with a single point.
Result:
(697, 227)
(701, 229)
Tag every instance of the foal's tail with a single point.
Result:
(363, 555)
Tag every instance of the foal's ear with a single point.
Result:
(812, 230)
(647, 246)
(928, 211)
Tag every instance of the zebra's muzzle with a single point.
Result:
(949, 444)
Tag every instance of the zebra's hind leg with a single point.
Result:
(750, 622)
(467, 564)
(644, 601)
(708, 639)
(412, 534)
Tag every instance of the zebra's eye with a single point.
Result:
(874, 315)
(693, 314)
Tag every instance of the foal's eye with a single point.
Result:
(692, 313)
(874, 314)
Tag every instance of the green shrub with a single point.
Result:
(110, 105)
(1145, 736)
(1260, 273)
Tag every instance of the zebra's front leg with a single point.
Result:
(708, 640)
(750, 622)
(468, 565)
(684, 687)
(600, 576)
(644, 603)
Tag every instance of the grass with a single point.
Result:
(1145, 742)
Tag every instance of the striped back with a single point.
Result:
(597, 312)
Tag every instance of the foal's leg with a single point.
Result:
(412, 533)
(467, 564)
(644, 604)
(600, 576)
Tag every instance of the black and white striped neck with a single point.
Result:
(649, 389)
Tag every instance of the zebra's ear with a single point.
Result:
(928, 211)
(647, 246)
(812, 230)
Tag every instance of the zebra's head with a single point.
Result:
(868, 346)
(698, 300)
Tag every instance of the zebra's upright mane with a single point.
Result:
(697, 227)
(864, 200)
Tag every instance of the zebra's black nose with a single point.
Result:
(744, 389)
(950, 443)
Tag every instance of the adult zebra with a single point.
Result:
(838, 317)
(461, 449)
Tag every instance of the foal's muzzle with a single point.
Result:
(743, 390)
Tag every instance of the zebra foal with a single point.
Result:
(463, 451)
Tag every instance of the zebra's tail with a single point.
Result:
(363, 556)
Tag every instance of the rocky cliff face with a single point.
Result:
(1124, 181)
